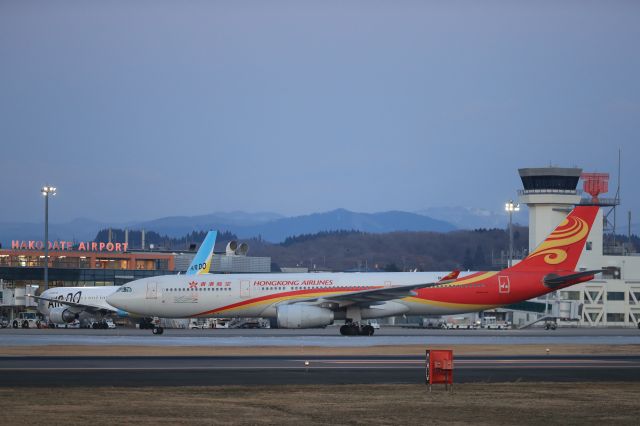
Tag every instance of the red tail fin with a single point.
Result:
(562, 249)
(451, 276)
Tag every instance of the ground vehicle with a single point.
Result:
(26, 320)
(72, 324)
(461, 322)
(433, 323)
(4, 323)
(106, 323)
(194, 324)
(374, 324)
(492, 322)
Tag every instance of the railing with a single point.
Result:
(601, 201)
(549, 191)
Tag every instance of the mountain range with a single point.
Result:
(271, 227)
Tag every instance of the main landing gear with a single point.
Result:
(355, 329)
(150, 323)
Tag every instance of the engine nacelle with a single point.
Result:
(243, 249)
(62, 315)
(232, 246)
(303, 316)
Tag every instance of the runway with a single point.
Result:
(328, 337)
(276, 370)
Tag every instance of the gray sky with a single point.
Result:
(142, 109)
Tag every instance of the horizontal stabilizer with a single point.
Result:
(555, 280)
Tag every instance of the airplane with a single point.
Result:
(63, 305)
(317, 299)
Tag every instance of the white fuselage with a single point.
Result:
(257, 295)
(95, 297)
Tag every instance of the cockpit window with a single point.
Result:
(124, 289)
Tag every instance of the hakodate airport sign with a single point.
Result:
(69, 246)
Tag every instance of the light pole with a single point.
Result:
(47, 190)
(511, 207)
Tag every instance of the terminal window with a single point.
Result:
(570, 295)
(615, 317)
(615, 295)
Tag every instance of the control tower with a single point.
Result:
(551, 193)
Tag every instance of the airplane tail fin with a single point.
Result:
(451, 276)
(563, 247)
(201, 263)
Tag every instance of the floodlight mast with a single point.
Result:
(47, 191)
(511, 207)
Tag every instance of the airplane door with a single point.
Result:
(504, 286)
(245, 288)
(152, 290)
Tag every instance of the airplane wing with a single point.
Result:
(76, 305)
(368, 297)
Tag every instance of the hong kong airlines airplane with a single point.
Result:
(63, 305)
(313, 300)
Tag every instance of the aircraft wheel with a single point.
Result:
(553, 326)
(546, 326)
(160, 330)
(344, 330)
(15, 324)
(154, 330)
(94, 325)
(367, 330)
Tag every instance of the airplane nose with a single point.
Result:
(116, 300)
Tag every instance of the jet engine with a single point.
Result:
(303, 316)
(243, 249)
(62, 315)
(232, 246)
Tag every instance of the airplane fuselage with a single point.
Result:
(249, 295)
(91, 296)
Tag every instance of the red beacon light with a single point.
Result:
(595, 184)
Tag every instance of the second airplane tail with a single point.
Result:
(201, 263)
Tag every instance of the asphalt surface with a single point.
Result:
(330, 331)
(275, 370)
(327, 337)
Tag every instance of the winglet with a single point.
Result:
(201, 263)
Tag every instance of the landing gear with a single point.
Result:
(146, 323)
(157, 330)
(355, 329)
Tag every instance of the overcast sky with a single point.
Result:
(142, 109)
